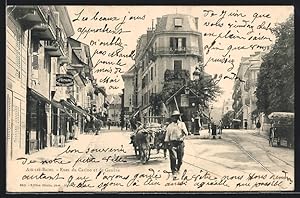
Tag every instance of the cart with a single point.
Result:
(282, 129)
(144, 139)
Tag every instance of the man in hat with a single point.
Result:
(176, 131)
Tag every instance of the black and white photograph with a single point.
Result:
(185, 98)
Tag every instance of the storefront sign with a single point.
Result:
(64, 80)
(184, 100)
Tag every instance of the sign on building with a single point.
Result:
(184, 100)
(64, 80)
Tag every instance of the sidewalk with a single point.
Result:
(51, 152)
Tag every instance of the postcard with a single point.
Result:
(149, 98)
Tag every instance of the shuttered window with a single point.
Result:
(177, 43)
(177, 65)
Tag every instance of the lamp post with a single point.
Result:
(209, 119)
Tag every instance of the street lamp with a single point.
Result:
(209, 118)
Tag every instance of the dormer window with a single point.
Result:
(178, 22)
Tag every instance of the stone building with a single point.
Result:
(47, 79)
(244, 99)
(173, 44)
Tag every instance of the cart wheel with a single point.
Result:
(147, 153)
(278, 141)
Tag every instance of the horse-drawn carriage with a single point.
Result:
(282, 128)
(147, 137)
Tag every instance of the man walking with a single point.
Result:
(176, 131)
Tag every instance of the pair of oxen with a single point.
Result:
(143, 140)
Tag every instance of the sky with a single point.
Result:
(230, 26)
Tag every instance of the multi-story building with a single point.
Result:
(35, 33)
(48, 78)
(174, 44)
(129, 94)
(244, 99)
(250, 76)
(227, 106)
(17, 58)
(114, 110)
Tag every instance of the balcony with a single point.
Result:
(171, 75)
(55, 48)
(46, 19)
(177, 51)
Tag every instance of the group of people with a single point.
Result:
(176, 131)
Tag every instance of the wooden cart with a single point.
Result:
(282, 129)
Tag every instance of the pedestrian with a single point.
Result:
(246, 125)
(76, 130)
(258, 125)
(213, 129)
(220, 127)
(197, 124)
(193, 125)
(108, 124)
(176, 131)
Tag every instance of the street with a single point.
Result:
(237, 156)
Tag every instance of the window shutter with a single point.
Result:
(18, 53)
(184, 42)
(171, 43)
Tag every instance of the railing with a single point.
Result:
(59, 38)
(171, 75)
(182, 50)
(48, 16)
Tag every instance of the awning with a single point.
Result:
(71, 106)
(57, 105)
(69, 114)
(38, 96)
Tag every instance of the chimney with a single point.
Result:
(196, 22)
(157, 22)
(149, 34)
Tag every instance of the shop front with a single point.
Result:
(38, 107)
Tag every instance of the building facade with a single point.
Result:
(244, 98)
(114, 110)
(174, 45)
(49, 76)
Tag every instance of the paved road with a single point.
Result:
(237, 161)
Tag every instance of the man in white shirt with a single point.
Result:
(176, 131)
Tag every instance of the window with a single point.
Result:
(151, 74)
(177, 44)
(177, 65)
(178, 22)
(155, 70)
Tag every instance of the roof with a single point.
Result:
(178, 91)
(129, 72)
(166, 23)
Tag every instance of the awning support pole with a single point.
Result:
(177, 107)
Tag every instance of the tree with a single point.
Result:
(227, 118)
(205, 87)
(275, 89)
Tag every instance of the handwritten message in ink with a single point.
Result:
(107, 37)
(93, 169)
(228, 34)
